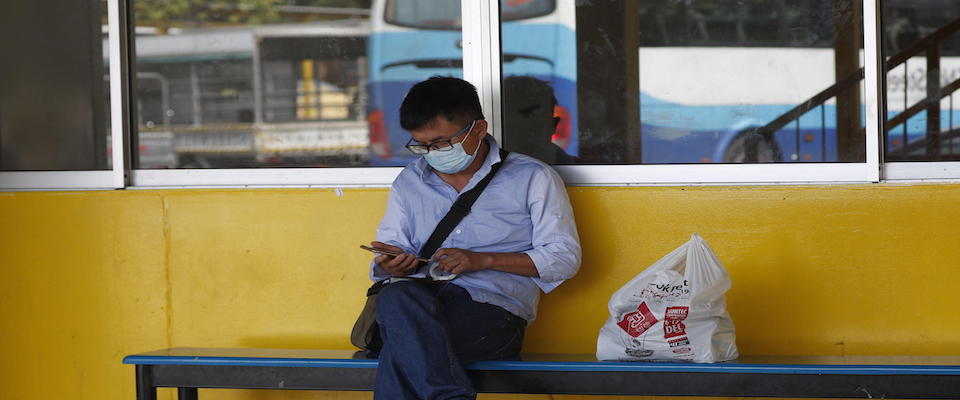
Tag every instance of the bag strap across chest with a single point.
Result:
(460, 208)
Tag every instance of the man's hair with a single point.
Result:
(453, 98)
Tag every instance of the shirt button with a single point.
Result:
(459, 231)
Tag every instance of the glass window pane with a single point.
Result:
(683, 82)
(53, 105)
(921, 50)
(282, 83)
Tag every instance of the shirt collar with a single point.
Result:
(493, 156)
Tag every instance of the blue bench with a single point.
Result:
(931, 377)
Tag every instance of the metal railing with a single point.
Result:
(935, 93)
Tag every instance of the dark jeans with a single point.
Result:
(430, 331)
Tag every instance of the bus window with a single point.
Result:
(513, 10)
(445, 14)
(436, 14)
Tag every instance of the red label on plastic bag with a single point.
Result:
(680, 345)
(637, 322)
(676, 312)
(673, 321)
(678, 342)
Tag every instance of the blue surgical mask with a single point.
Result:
(451, 161)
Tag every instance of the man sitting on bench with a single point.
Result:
(519, 238)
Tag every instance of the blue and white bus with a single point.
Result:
(710, 73)
(412, 40)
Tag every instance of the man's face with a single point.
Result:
(441, 129)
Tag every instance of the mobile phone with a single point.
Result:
(381, 251)
(388, 252)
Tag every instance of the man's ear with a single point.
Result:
(482, 125)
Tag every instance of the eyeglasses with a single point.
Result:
(440, 145)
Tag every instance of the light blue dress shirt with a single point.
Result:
(524, 209)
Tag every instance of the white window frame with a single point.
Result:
(918, 171)
(56, 180)
(113, 178)
(118, 38)
(481, 52)
(921, 171)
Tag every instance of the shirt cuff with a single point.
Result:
(548, 279)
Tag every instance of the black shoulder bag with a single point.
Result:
(366, 332)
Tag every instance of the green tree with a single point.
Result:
(332, 3)
(192, 13)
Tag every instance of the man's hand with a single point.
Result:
(401, 265)
(459, 261)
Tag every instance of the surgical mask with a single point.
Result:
(451, 161)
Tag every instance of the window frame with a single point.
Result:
(481, 52)
(115, 177)
(56, 180)
(905, 171)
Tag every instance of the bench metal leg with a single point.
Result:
(187, 393)
(145, 388)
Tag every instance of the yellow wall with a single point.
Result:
(88, 277)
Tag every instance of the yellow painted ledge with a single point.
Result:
(88, 277)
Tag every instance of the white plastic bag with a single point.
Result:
(673, 311)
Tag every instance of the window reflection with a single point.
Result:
(245, 86)
(530, 106)
(705, 81)
(921, 47)
(304, 83)
(53, 105)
